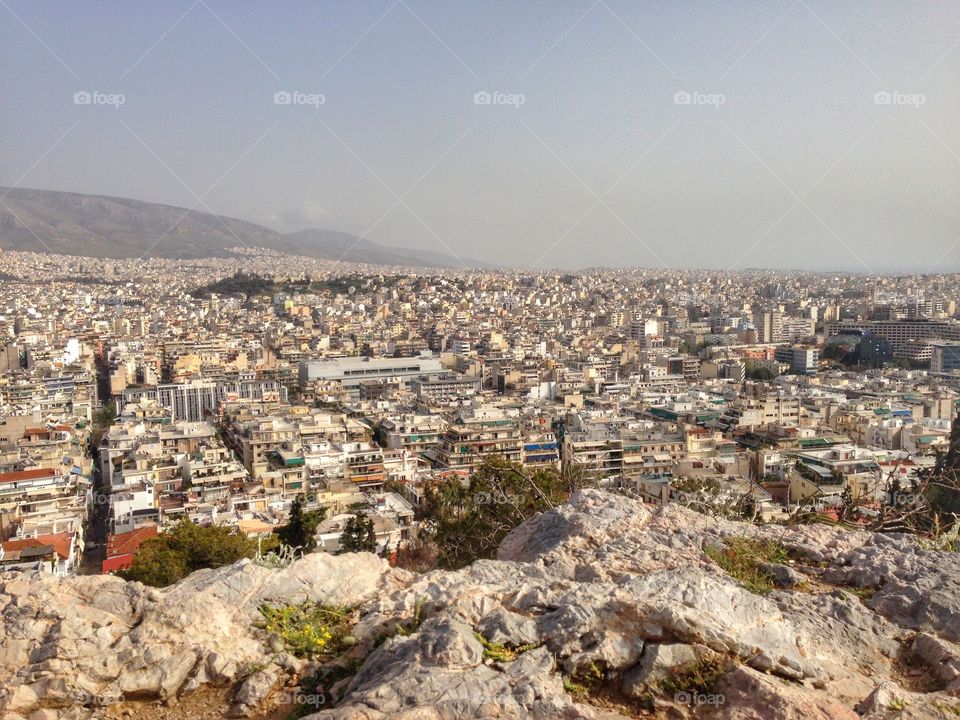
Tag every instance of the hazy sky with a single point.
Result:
(783, 157)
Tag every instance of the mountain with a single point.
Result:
(366, 251)
(102, 226)
(601, 608)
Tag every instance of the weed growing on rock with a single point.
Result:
(407, 627)
(499, 652)
(307, 629)
(585, 683)
(742, 558)
(699, 677)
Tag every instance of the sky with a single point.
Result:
(813, 134)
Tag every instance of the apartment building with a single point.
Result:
(540, 449)
(912, 339)
(363, 465)
(350, 371)
(945, 358)
(802, 360)
(769, 325)
(608, 451)
(415, 432)
(476, 434)
(43, 500)
(751, 412)
(444, 388)
(253, 438)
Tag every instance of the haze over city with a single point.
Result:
(443, 359)
(807, 135)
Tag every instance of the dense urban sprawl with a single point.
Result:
(137, 393)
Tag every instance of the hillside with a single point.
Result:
(601, 608)
(101, 226)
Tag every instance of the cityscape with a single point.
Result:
(273, 451)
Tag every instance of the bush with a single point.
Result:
(468, 523)
(186, 547)
(742, 557)
(308, 629)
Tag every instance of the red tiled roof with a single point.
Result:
(34, 474)
(60, 542)
(117, 562)
(127, 543)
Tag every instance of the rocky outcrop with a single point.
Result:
(78, 644)
(602, 608)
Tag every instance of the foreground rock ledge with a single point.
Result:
(870, 629)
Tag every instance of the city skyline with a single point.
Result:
(789, 136)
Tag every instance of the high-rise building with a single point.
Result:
(945, 357)
(769, 324)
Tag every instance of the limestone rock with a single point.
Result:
(594, 603)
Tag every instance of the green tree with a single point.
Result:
(106, 414)
(156, 564)
(469, 523)
(358, 535)
(300, 532)
(184, 548)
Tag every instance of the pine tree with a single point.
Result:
(300, 532)
(358, 535)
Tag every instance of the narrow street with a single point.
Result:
(97, 518)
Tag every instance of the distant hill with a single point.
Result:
(101, 226)
(366, 251)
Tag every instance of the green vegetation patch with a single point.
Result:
(742, 558)
(700, 677)
(500, 652)
(586, 684)
(185, 548)
(308, 629)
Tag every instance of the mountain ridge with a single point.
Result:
(90, 225)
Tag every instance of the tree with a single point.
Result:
(300, 532)
(106, 414)
(468, 523)
(186, 547)
(156, 564)
(358, 535)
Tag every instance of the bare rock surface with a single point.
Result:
(602, 608)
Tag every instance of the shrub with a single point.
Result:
(184, 548)
(742, 557)
(308, 629)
